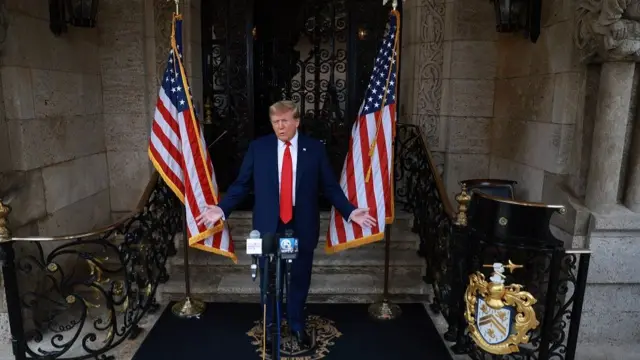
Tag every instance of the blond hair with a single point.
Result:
(284, 106)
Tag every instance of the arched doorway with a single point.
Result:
(318, 53)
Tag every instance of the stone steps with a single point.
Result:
(240, 224)
(401, 238)
(241, 218)
(353, 275)
(333, 288)
(358, 260)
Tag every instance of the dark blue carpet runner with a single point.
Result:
(233, 331)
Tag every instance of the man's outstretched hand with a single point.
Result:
(361, 217)
(210, 215)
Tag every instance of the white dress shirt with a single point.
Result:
(293, 148)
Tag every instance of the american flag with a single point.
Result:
(178, 152)
(366, 177)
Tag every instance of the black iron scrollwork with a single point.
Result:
(81, 297)
(316, 58)
(227, 85)
(417, 192)
(335, 65)
(557, 280)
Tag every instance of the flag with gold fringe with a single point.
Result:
(366, 177)
(178, 152)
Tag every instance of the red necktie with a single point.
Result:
(286, 183)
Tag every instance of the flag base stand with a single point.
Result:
(384, 310)
(188, 308)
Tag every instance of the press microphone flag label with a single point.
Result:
(254, 248)
(254, 243)
(288, 248)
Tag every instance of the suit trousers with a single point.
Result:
(296, 295)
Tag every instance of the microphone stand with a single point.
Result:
(263, 295)
(285, 259)
(272, 297)
(288, 277)
(277, 300)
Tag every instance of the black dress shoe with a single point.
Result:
(302, 338)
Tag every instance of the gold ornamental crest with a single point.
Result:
(322, 333)
(499, 316)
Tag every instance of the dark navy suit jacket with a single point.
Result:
(259, 171)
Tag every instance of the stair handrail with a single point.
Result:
(446, 202)
(435, 220)
(144, 198)
(53, 285)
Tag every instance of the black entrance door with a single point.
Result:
(318, 53)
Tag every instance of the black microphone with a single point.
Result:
(268, 244)
(268, 250)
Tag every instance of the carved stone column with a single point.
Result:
(608, 32)
(614, 100)
(632, 193)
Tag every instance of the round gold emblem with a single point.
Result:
(321, 331)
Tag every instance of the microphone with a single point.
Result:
(254, 248)
(288, 246)
(267, 249)
(269, 245)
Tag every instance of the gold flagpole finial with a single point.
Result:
(177, 5)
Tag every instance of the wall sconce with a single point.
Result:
(518, 15)
(79, 13)
(362, 33)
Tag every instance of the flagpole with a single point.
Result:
(385, 309)
(187, 307)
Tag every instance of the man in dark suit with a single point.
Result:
(286, 172)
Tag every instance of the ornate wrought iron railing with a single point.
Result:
(451, 254)
(80, 296)
(420, 191)
(563, 280)
(555, 276)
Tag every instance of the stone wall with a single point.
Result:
(421, 70)
(468, 90)
(493, 105)
(75, 112)
(546, 106)
(123, 63)
(447, 81)
(79, 108)
(53, 124)
(78, 111)
(539, 95)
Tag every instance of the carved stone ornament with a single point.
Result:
(608, 30)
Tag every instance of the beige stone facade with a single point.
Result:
(76, 112)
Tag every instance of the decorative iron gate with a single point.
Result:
(318, 53)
